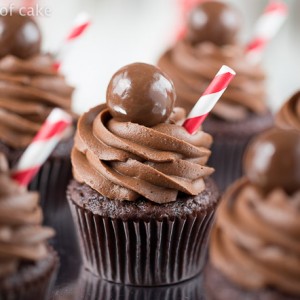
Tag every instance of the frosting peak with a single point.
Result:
(125, 161)
(22, 238)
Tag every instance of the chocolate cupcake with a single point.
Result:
(30, 88)
(255, 248)
(288, 117)
(27, 264)
(211, 41)
(141, 198)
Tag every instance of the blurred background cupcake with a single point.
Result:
(27, 263)
(30, 88)
(254, 249)
(211, 40)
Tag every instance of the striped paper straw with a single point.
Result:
(266, 28)
(81, 24)
(209, 99)
(50, 134)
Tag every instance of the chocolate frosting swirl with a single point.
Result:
(192, 67)
(22, 238)
(29, 90)
(256, 238)
(124, 160)
(288, 117)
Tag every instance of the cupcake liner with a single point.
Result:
(227, 160)
(143, 253)
(51, 182)
(34, 282)
(93, 288)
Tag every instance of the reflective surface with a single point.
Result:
(88, 287)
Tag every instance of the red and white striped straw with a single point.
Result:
(266, 28)
(81, 24)
(209, 99)
(50, 134)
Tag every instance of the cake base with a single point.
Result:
(143, 243)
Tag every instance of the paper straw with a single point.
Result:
(209, 99)
(28, 3)
(43, 144)
(266, 28)
(81, 24)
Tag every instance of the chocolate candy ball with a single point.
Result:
(19, 36)
(273, 160)
(140, 93)
(213, 21)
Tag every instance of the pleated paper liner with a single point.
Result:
(230, 142)
(93, 288)
(144, 253)
(32, 282)
(228, 164)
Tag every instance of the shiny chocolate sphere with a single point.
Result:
(273, 160)
(140, 93)
(213, 21)
(19, 36)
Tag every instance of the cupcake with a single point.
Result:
(211, 41)
(141, 199)
(30, 88)
(27, 264)
(288, 117)
(254, 248)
